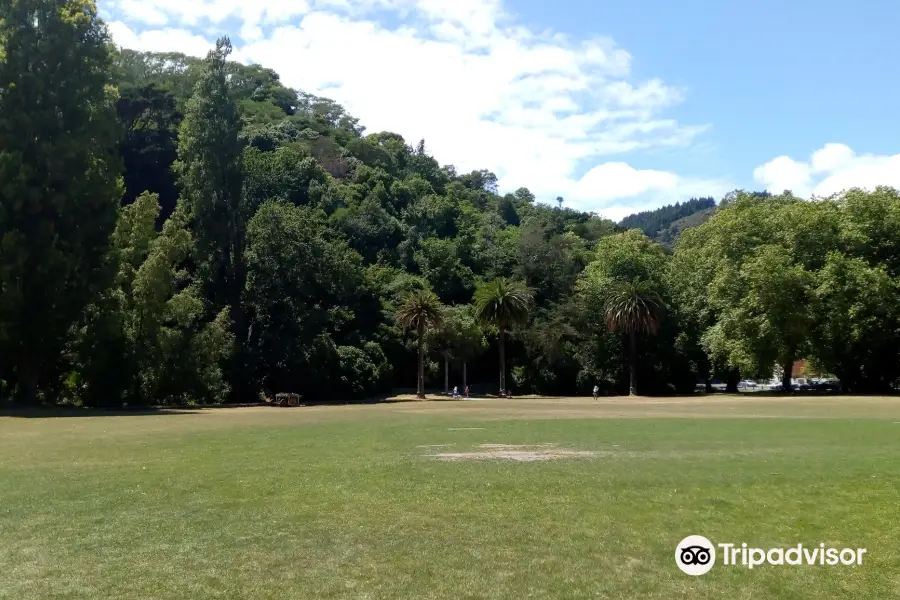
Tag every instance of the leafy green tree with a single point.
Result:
(504, 304)
(857, 330)
(626, 256)
(754, 259)
(306, 291)
(370, 228)
(869, 222)
(59, 168)
(285, 174)
(148, 341)
(421, 310)
(549, 262)
(439, 262)
(633, 308)
(766, 313)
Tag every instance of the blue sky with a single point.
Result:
(772, 77)
(616, 106)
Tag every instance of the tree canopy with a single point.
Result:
(177, 230)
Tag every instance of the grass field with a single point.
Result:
(345, 501)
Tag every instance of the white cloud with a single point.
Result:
(160, 40)
(829, 170)
(616, 189)
(483, 91)
(144, 12)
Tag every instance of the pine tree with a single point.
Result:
(210, 166)
(59, 168)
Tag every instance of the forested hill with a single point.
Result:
(653, 222)
(285, 123)
(263, 242)
(307, 233)
(668, 236)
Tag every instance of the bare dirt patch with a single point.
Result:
(514, 452)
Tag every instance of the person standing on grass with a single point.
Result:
(455, 392)
(596, 391)
(467, 392)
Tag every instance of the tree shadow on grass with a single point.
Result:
(49, 412)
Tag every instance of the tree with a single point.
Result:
(285, 174)
(306, 292)
(633, 308)
(754, 259)
(420, 310)
(149, 116)
(459, 338)
(504, 304)
(59, 168)
(147, 340)
(628, 271)
(717, 249)
(765, 310)
(211, 173)
(439, 262)
(857, 332)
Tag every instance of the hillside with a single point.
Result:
(652, 222)
(409, 221)
(670, 235)
(264, 242)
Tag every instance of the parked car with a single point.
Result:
(827, 385)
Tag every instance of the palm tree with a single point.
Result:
(633, 308)
(504, 304)
(420, 310)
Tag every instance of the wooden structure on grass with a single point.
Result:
(287, 399)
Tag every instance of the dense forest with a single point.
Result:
(178, 230)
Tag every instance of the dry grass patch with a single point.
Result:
(515, 452)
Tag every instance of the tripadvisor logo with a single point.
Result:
(696, 555)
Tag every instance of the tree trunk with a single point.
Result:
(465, 383)
(420, 387)
(446, 373)
(28, 381)
(632, 364)
(502, 361)
(706, 373)
(731, 381)
(786, 375)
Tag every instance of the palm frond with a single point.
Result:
(503, 303)
(421, 307)
(633, 307)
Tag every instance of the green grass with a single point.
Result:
(339, 502)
